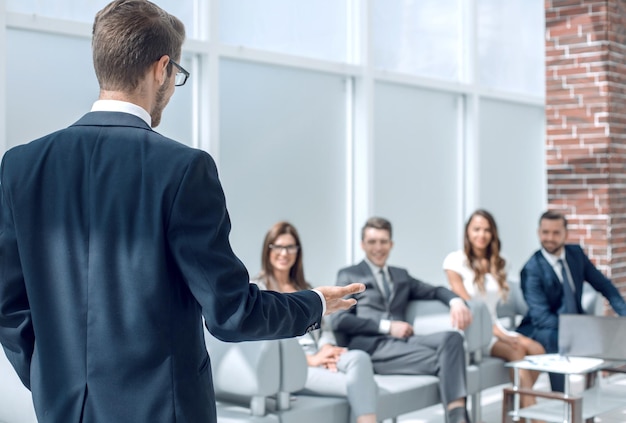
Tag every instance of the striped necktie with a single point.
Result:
(569, 300)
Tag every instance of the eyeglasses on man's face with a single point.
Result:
(181, 75)
(289, 249)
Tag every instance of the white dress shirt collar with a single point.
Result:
(558, 267)
(122, 106)
(376, 270)
(552, 259)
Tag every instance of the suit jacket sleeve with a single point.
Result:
(424, 291)
(347, 321)
(603, 285)
(16, 328)
(234, 309)
(539, 308)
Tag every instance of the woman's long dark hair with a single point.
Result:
(496, 262)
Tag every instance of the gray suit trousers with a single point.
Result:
(354, 379)
(439, 354)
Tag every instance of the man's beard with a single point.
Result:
(161, 102)
(553, 250)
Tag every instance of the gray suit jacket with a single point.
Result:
(359, 326)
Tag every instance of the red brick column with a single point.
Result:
(586, 126)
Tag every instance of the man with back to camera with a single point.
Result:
(377, 324)
(543, 282)
(114, 245)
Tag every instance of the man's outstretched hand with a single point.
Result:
(334, 296)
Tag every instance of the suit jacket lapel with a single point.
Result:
(573, 265)
(548, 271)
(394, 274)
(368, 276)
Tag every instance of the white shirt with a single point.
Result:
(556, 266)
(122, 106)
(379, 278)
(458, 263)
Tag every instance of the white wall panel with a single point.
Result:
(282, 157)
(416, 175)
(511, 175)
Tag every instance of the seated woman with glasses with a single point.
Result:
(333, 371)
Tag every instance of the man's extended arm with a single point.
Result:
(603, 285)
(460, 314)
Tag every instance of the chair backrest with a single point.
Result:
(592, 336)
(515, 306)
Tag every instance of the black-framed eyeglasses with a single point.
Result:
(289, 249)
(181, 76)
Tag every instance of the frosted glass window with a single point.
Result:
(85, 10)
(511, 174)
(52, 83)
(283, 157)
(415, 180)
(418, 37)
(45, 98)
(177, 120)
(314, 29)
(511, 45)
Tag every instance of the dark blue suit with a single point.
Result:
(543, 293)
(113, 245)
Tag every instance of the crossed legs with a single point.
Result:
(439, 354)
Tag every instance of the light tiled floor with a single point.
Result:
(492, 405)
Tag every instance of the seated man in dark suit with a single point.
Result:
(377, 324)
(552, 283)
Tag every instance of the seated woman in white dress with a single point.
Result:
(333, 370)
(479, 271)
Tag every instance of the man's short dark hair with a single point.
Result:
(376, 223)
(553, 215)
(128, 37)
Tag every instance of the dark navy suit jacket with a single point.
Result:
(543, 293)
(113, 245)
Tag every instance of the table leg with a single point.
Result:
(508, 405)
(591, 379)
(574, 404)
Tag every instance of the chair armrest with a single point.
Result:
(479, 333)
(293, 370)
(429, 316)
(244, 372)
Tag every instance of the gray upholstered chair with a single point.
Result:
(245, 376)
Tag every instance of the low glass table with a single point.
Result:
(563, 406)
